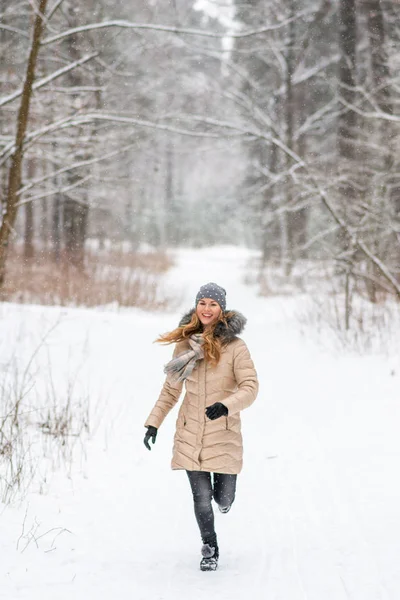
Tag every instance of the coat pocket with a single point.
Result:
(181, 420)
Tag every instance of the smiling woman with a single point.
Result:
(220, 381)
(208, 311)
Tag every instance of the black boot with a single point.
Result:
(210, 554)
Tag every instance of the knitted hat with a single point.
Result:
(213, 291)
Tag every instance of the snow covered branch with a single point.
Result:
(49, 78)
(72, 167)
(54, 8)
(59, 190)
(378, 114)
(5, 27)
(385, 271)
(169, 29)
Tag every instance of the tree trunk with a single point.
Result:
(289, 222)
(75, 218)
(75, 212)
(29, 251)
(170, 221)
(14, 177)
(29, 230)
(347, 77)
(266, 205)
(347, 133)
(380, 80)
(379, 65)
(44, 228)
(56, 228)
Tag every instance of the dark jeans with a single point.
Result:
(222, 487)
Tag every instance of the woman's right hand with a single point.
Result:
(151, 433)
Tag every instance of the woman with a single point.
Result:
(220, 381)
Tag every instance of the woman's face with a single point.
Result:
(208, 311)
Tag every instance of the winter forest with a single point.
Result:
(142, 122)
(148, 147)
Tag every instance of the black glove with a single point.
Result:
(215, 411)
(151, 433)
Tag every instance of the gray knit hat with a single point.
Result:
(213, 291)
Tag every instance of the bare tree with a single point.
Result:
(14, 177)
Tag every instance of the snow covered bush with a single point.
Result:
(372, 328)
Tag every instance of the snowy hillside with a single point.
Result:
(316, 515)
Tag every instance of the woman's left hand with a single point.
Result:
(215, 411)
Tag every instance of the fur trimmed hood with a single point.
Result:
(229, 332)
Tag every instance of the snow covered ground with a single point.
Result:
(317, 511)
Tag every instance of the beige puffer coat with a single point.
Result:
(201, 444)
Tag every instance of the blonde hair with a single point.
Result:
(212, 345)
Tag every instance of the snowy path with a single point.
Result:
(316, 516)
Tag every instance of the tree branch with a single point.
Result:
(54, 8)
(45, 80)
(378, 114)
(359, 243)
(61, 190)
(14, 30)
(72, 167)
(169, 29)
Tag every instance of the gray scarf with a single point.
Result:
(180, 367)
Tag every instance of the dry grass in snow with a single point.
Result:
(113, 277)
